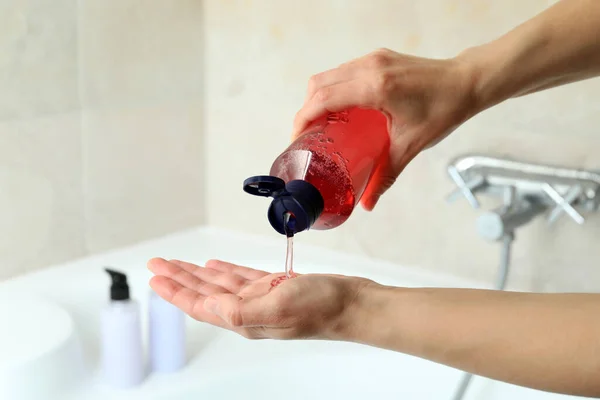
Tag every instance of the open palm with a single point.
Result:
(244, 300)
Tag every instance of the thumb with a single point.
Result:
(238, 312)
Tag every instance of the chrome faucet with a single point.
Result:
(527, 190)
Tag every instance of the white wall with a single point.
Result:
(100, 126)
(259, 56)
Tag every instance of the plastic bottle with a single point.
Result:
(122, 354)
(167, 335)
(321, 176)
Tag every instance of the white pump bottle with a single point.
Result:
(122, 358)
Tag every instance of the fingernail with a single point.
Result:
(210, 305)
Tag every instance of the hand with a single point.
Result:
(242, 299)
(423, 99)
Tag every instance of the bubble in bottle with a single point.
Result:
(356, 141)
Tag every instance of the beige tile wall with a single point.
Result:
(41, 198)
(38, 58)
(104, 103)
(100, 126)
(259, 56)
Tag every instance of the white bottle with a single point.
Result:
(122, 358)
(167, 336)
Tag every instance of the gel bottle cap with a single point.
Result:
(119, 289)
(298, 199)
(121, 345)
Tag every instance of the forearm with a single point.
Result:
(545, 341)
(558, 46)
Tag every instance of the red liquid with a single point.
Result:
(338, 154)
(277, 281)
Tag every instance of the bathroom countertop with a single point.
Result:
(81, 288)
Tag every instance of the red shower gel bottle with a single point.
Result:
(319, 179)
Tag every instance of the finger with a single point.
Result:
(386, 174)
(244, 272)
(237, 312)
(327, 78)
(173, 271)
(231, 282)
(381, 180)
(193, 304)
(189, 267)
(334, 98)
(375, 190)
(185, 265)
(188, 300)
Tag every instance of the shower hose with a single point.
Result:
(500, 285)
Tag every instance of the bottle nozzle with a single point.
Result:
(295, 207)
(119, 289)
(289, 224)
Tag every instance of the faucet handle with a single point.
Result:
(564, 204)
(464, 188)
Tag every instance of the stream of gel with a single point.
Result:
(289, 257)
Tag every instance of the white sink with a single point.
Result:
(40, 355)
(223, 365)
(347, 375)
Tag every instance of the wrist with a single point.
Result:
(485, 75)
(394, 318)
(346, 326)
(512, 65)
(369, 317)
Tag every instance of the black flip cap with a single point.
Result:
(295, 206)
(119, 289)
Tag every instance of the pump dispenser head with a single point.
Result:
(119, 289)
(295, 206)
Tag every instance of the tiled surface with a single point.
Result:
(41, 209)
(103, 142)
(259, 57)
(142, 173)
(134, 52)
(38, 57)
(100, 126)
